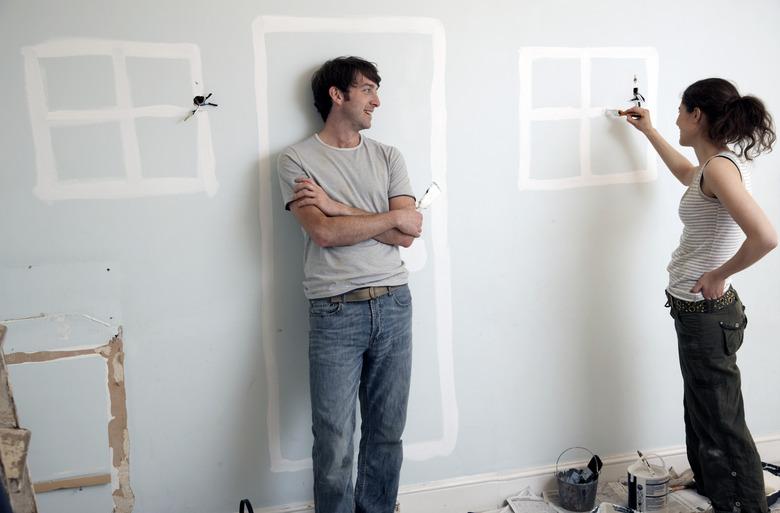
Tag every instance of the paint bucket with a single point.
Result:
(648, 486)
(575, 496)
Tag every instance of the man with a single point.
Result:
(353, 198)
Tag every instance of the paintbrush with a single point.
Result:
(430, 195)
(616, 113)
(644, 460)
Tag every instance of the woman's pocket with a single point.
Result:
(733, 336)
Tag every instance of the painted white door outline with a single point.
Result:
(584, 113)
(438, 215)
(49, 186)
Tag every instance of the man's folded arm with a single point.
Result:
(348, 230)
(393, 236)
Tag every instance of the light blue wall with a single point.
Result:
(554, 298)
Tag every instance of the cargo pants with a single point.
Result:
(721, 451)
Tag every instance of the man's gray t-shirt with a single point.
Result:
(363, 177)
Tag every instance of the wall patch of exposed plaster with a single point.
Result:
(118, 436)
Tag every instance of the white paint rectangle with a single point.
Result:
(584, 112)
(433, 30)
(50, 186)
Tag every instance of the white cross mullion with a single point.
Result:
(124, 103)
(585, 69)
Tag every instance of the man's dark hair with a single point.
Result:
(340, 72)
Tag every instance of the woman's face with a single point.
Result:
(688, 123)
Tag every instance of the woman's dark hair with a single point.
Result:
(741, 121)
(341, 72)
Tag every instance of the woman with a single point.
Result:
(718, 213)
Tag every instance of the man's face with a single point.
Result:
(363, 98)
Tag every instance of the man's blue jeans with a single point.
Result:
(361, 349)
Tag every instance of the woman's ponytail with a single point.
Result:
(739, 121)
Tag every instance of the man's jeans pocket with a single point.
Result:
(402, 296)
(323, 308)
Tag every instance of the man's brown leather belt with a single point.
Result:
(363, 294)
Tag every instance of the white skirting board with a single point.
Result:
(488, 491)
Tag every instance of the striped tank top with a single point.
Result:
(710, 236)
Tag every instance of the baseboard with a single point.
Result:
(482, 492)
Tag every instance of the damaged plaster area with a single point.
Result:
(104, 342)
(14, 444)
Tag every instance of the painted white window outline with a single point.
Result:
(50, 187)
(392, 25)
(584, 113)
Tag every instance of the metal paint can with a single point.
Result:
(576, 496)
(648, 486)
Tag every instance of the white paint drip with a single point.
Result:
(528, 114)
(49, 187)
(426, 26)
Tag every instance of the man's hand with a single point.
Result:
(408, 221)
(330, 223)
(307, 192)
(710, 285)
